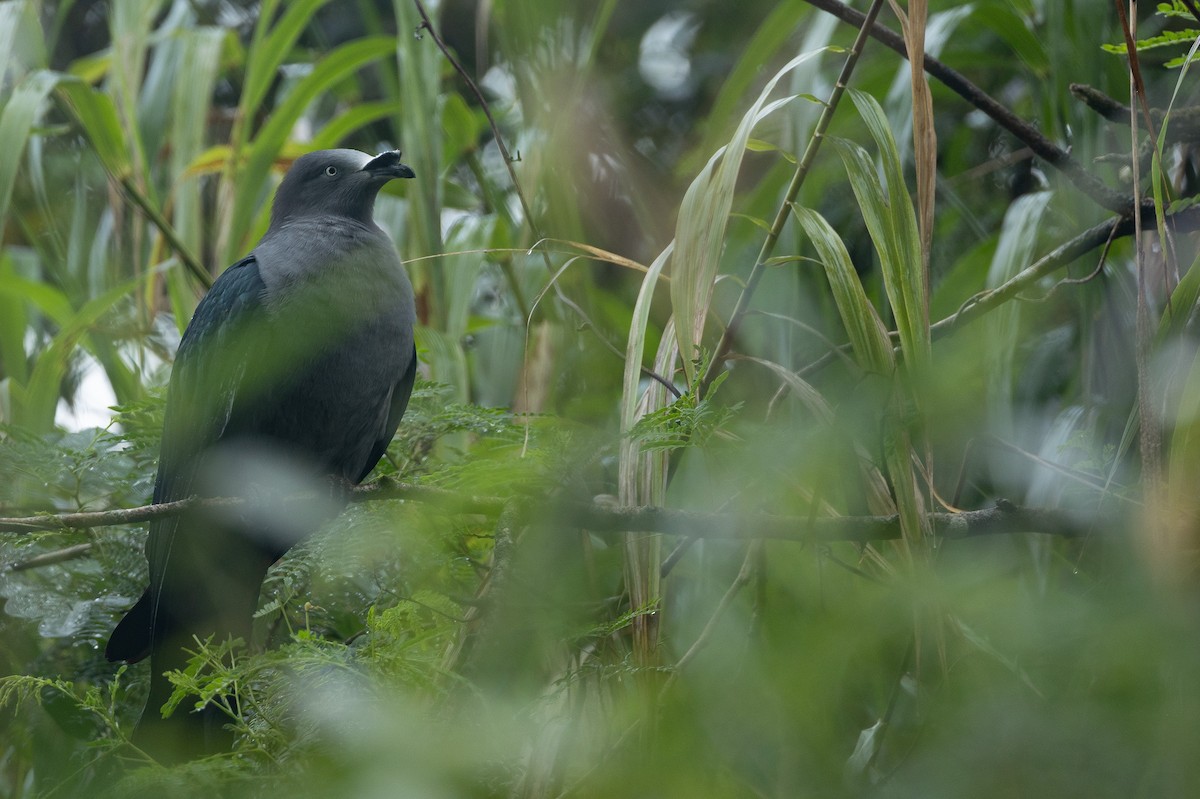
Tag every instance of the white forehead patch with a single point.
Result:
(354, 159)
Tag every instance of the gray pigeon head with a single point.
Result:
(335, 183)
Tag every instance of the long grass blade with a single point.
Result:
(924, 135)
(97, 115)
(703, 214)
(14, 326)
(867, 333)
(270, 46)
(892, 224)
(41, 401)
(16, 122)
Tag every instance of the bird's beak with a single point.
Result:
(387, 165)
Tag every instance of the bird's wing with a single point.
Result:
(210, 366)
(229, 326)
(398, 403)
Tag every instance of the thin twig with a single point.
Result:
(1066, 253)
(427, 25)
(1137, 84)
(88, 519)
(1076, 281)
(994, 165)
(1185, 122)
(1075, 475)
(168, 232)
(50, 558)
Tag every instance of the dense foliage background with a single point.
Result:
(724, 288)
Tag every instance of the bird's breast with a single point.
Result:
(341, 337)
(340, 260)
(341, 305)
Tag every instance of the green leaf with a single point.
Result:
(1183, 60)
(866, 331)
(1164, 39)
(892, 223)
(1005, 21)
(703, 216)
(361, 115)
(268, 50)
(48, 299)
(758, 222)
(1176, 8)
(1015, 249)
(23, 40)
(635, 472)
(1179, 308)
(686, 422)
(91, 69)
(14, 323)
(41, 401)
(420, 131)
(97, 115)
(16, 122)
(199, 65)
(461, 125)
(760, 146)
(1184, 460)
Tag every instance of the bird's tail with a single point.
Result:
(187, 733)
(130, 641)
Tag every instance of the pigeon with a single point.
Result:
(294, 371)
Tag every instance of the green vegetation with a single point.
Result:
(675, 509)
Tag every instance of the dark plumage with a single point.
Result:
(299, 362)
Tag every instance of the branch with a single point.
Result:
(1050, 152)
(1090, 239)
(104, 518)
(391, 488)
(1004, 518)
(383, 488)
(1184, 122)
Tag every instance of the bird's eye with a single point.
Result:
(331, 170)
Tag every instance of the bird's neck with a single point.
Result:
(311, 226)
(359, 259)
